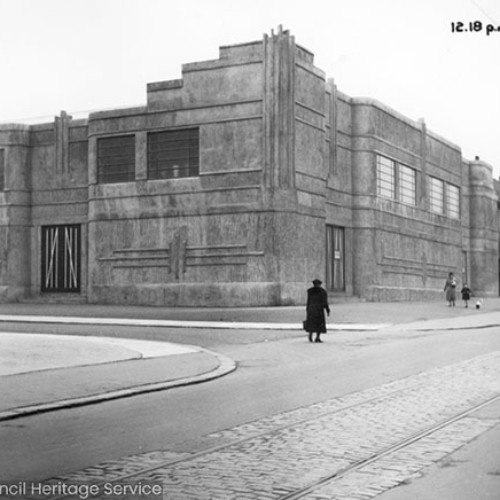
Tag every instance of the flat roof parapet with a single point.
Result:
(242, 50)
(117, 113)
(165, 85)
(368, 101)
(5, 127)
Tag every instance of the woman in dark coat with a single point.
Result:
(317, 304)
(449, 288)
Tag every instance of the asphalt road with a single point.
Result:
(277, 372)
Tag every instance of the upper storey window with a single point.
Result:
(407, 184)
(116, 159)
(396, 181)
(436, 195)
(453, 201)
(386, 179)
(173, 154)
(444, 198)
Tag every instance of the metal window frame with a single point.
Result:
(386, 177)
(453, 202)
(393, 180)
(117, 166)
(162, 147)
(407, 190)
(436, 196)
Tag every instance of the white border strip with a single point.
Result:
(227, 325)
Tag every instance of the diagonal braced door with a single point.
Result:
(61, 258)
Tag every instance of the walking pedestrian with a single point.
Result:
(317, 304)
(450, 289)
(466, 293)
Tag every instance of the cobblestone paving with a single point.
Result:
(275, 456)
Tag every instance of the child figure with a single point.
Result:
(465, 294)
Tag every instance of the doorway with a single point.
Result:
(335, 258)
(61, 258)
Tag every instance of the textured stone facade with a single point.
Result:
(285, 159)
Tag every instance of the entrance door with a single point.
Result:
(61, 257)
(335, 258)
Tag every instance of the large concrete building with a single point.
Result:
(237, 185)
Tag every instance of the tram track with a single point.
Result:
(214, 449)
(297, 425)
(296, 495)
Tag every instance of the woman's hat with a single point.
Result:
(317, 282)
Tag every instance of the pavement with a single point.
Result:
(41, 372)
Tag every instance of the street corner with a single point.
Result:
(31, 352)
(45, 373)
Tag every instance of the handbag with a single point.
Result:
(304, 325)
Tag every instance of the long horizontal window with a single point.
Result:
(116, 159)
(173, 154)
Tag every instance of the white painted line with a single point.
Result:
(148, 348)
(183, 324)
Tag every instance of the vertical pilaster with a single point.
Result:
(483, 230)
(92, 161)
(332, 132)
(141, 156)
(279, 110)
(280, 197)
(62, 142)
(422, 178)
(15, 213)
(363, 179)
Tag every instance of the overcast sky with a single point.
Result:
(86, 55)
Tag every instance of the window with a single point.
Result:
(2, 170)
(453, 201)
(116, 159)
(436, 195)
(444, 198)
(396, 181)
(407, 185)
(386, 182)
(173, 154)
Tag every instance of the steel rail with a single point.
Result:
(336, 475)
(386, 451)
(236, 442)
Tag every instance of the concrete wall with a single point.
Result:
(403, 251)
(59, 187)
(15, 213)
(484, 237)
(283, 154)
(229, 236)
(189, 241)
